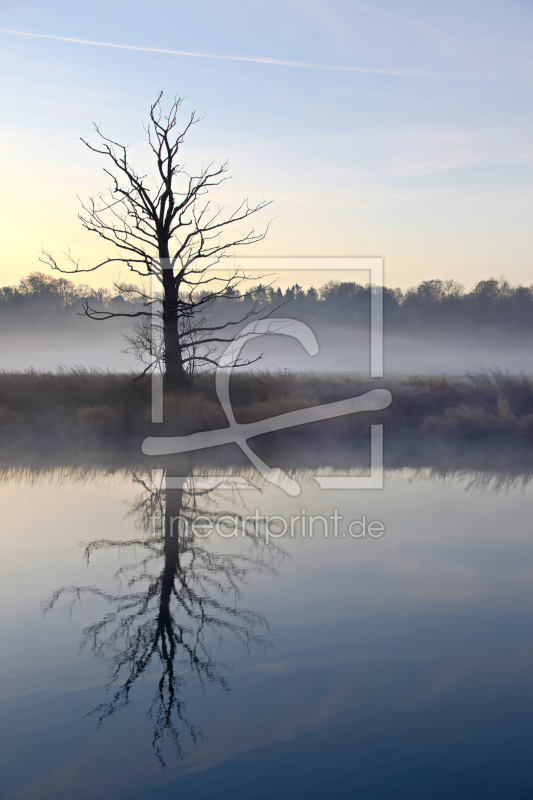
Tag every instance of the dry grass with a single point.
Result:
(76, 406)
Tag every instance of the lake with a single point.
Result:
(220, 643)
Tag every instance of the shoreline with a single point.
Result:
(79, 415)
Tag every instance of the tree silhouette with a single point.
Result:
(165, 229)
(179, 593)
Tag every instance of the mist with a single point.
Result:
(79, 342)
(434, 328)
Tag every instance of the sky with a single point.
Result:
(400, 129)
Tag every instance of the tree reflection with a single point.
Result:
(179, 594)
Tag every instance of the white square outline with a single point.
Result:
(372, 264)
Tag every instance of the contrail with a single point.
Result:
(406, 73)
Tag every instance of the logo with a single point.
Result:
(241, 433)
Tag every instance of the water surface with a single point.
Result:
(258, 667)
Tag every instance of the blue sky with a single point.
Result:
(400, 129)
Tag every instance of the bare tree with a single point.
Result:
(179, 595)
(164, 228)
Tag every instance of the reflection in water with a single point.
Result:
(490, 481)
(180, 594)
(490, 465)
(401, 668)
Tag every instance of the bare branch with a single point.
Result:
(167, 228)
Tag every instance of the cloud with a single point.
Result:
(405, 73)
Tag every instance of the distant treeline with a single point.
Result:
(45, 294)
(492, 303)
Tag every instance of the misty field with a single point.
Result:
(78, 407)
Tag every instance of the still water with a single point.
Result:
(142, 659)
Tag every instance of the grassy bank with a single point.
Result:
(481, 422)
(78, 408)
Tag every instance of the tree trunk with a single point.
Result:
(176, 377)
